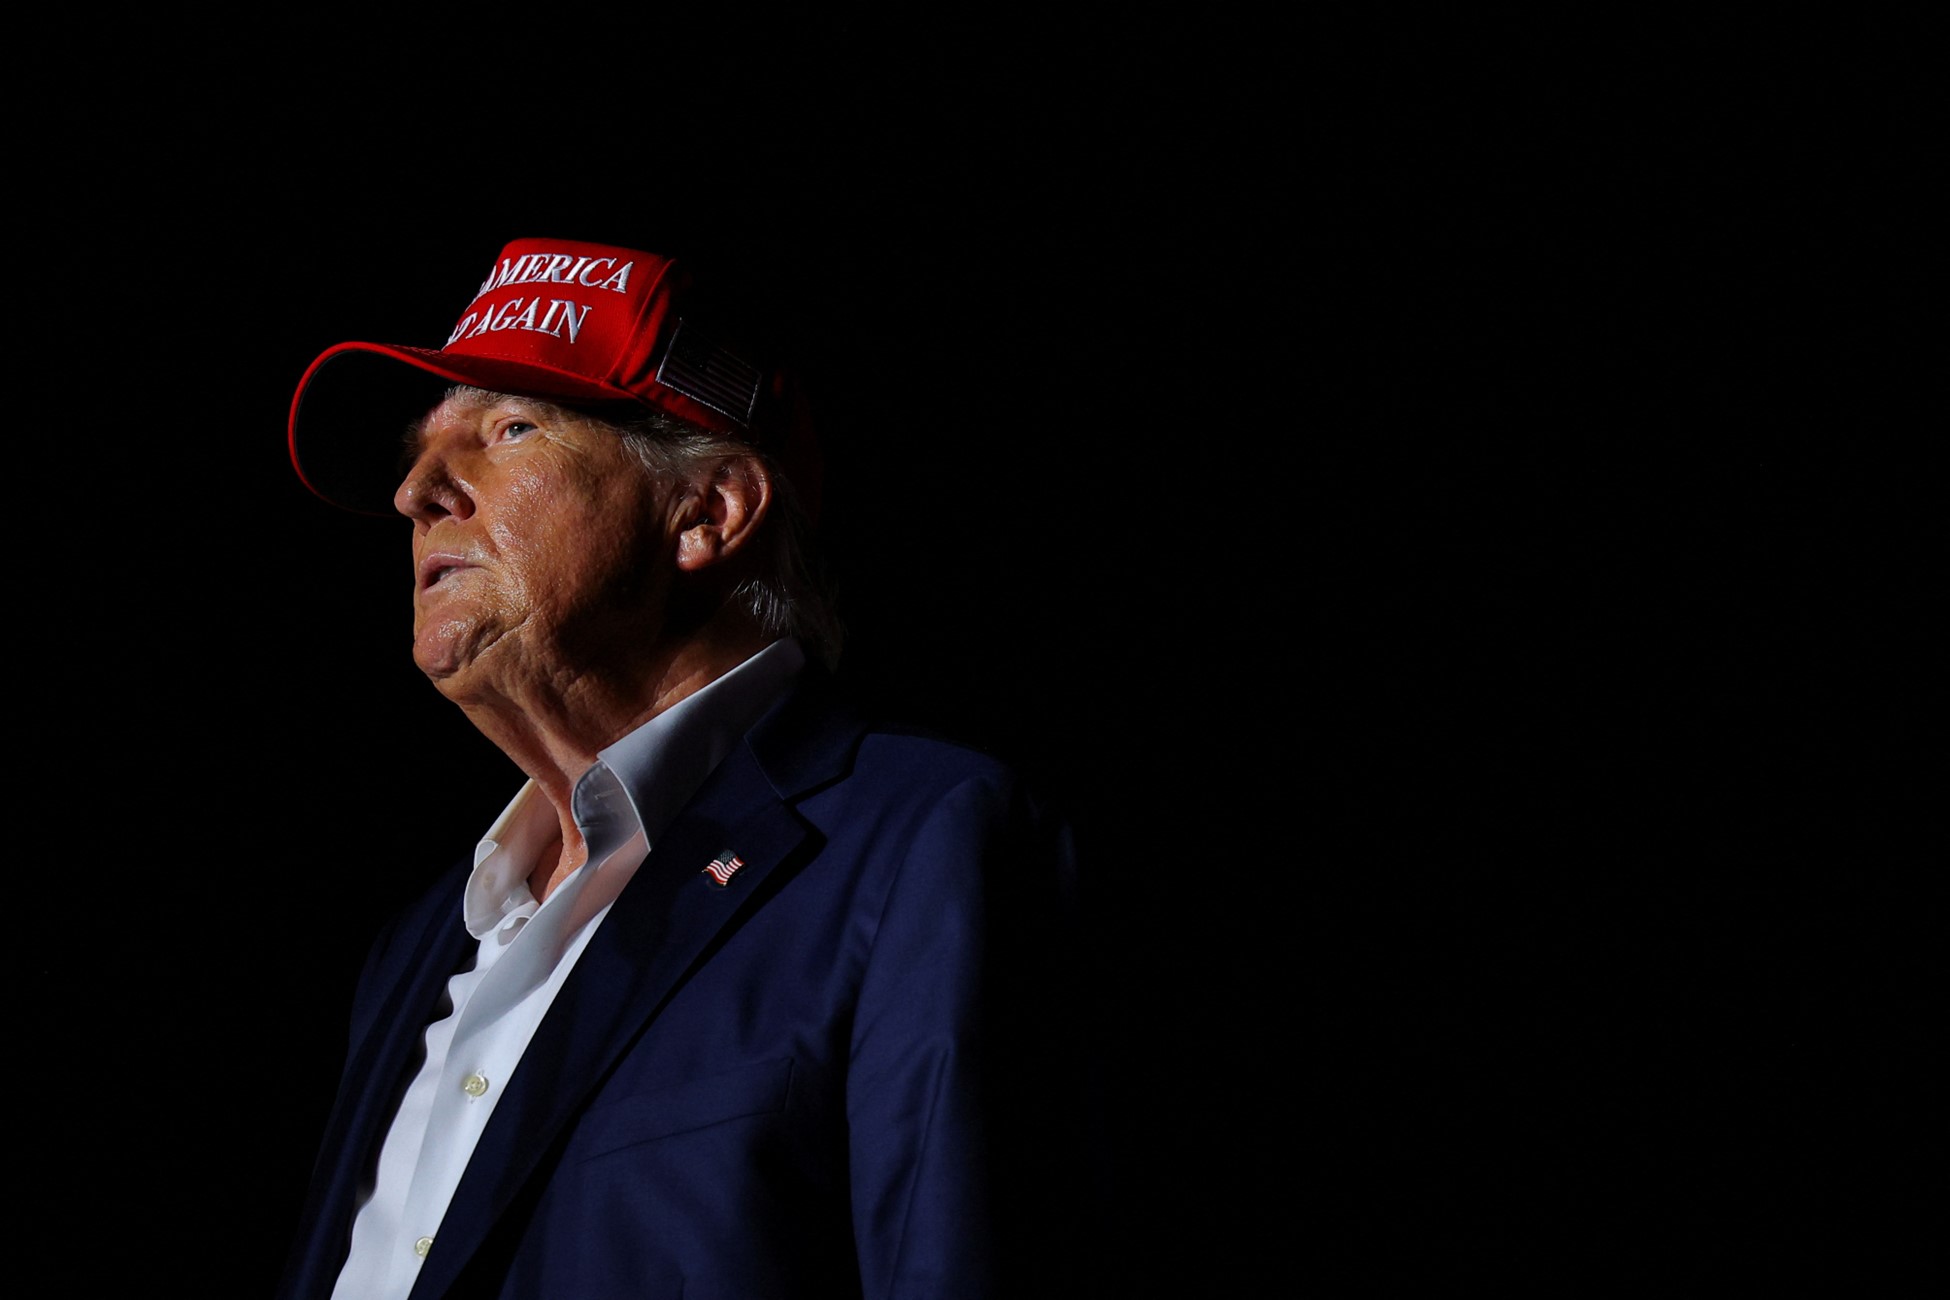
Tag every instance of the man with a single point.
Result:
(743, 995)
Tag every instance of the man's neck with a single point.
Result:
(554, 729)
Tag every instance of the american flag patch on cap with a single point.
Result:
(723, 867)
(696, 366)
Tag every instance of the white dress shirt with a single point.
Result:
(526, 949)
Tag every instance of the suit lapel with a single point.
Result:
(397, 1000)
(664, 923)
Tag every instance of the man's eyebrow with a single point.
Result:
(541, 405)
(413, 435)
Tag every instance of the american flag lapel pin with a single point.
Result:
(723, 867)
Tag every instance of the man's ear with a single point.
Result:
(724, 512)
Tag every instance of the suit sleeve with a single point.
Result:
(966, 1098)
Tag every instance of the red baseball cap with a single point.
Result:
(578, 323)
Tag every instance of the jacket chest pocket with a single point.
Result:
(759, 1089)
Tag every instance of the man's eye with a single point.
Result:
(516, 429)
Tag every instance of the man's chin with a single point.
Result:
(444, 651)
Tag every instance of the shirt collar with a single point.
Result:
(636, 785)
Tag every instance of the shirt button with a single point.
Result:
(474, 1085)
(422, 1246)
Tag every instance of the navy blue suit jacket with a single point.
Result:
(854, 1070)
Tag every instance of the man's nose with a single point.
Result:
(432, 489)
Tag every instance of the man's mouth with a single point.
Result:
(436, 569)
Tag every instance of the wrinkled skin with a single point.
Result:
(563, 594)
(540, 547)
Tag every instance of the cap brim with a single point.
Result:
(353, 409)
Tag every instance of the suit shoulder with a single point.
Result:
(825, 733)
(901, 744)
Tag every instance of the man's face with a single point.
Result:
(540, 545)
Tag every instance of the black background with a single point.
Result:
(1445, 510)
